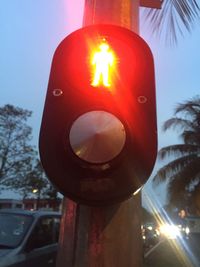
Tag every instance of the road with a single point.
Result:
(174, 253)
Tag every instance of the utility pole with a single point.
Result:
(108, 236)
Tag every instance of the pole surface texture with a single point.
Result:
(107, 236)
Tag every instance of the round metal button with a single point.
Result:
(97, 137)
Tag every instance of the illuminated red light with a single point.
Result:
(103, 64)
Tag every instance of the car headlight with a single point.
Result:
(187, 230)
(170, 231)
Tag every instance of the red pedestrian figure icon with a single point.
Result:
(103, 61)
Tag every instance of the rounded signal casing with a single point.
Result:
(67, 135)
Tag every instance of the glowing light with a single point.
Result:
(187, 230)
(103, 62)
(35, 190)
(137, 191)
(180, 246)
(170, 231)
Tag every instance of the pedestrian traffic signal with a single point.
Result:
(98, 138)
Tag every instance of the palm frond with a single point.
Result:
(176, 193)
(173, 18)
(190, 173)
(196, 189)
(178, 150)
(168, 171)
(183, 172)
(191, 137)
(184, 181)
(177, 123)
(189, 106)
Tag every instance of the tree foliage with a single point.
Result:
(15, 149)
(173, 18)
(33, 182)
(20, 169)
(182, 172)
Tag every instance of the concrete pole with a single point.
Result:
(101, 237)
(124, 13)
(104, 236)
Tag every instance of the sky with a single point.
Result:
(31, 30)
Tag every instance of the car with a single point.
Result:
(150, 236)
(28, 238)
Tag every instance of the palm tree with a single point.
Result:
(173, 18)
(182, 172)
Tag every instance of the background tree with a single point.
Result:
(16, 151)
(173, 18)
(39, 184)
(32, 182)
(51, 192)
(20, 170)
(182, 172)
